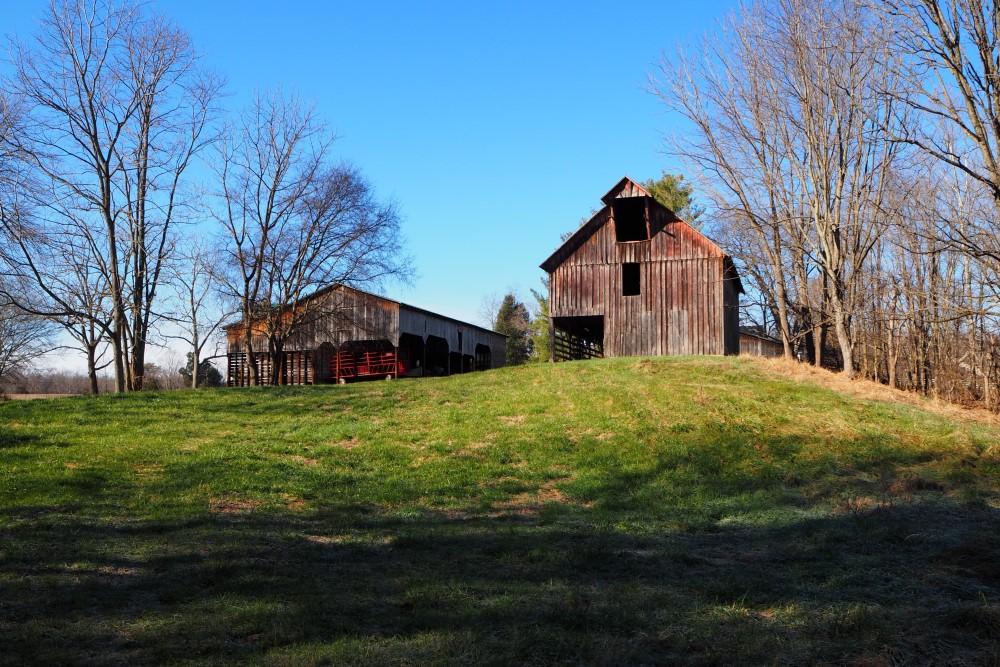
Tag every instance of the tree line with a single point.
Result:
(105, 119)
(850, 153)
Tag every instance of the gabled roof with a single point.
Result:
(626, 188)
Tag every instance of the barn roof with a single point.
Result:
(624, 188)
(330, 288)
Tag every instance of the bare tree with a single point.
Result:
(199, 311)
(792, 107)
(294, 221)
(23, 338)
(115, 110)
(720, 86)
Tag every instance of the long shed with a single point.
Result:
(355, 334)
(637, 280)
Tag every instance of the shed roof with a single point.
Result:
(330, 288)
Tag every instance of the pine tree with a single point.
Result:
(208, 375)
(513, 321)
(675, 194)
(540, 324)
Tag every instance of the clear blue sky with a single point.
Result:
(495, 126)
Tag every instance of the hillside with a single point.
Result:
(687, 511)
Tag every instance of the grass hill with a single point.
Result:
(631, 511)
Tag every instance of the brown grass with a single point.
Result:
(873, 391)
(31, 397)
(512, 420)
(230, 505)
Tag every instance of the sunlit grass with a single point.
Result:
(688, 511)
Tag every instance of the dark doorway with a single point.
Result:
(324, 363)
(578, 337)
(436, 356)
(484, 358)
(411, 355)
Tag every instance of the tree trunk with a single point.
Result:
(92, 369)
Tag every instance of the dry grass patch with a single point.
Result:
(792, 370)
(349, 443)
(149, 469)
(32, 397)
(294, 503)
(474, 450)
(511, 420)
(530, 503)
(231, 505)
(298, 458)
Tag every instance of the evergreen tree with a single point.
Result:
(513, 321)
(540, 324)
(208, 375)
(675, 194)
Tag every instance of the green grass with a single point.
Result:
(678, 511)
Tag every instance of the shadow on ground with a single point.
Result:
(911, 583)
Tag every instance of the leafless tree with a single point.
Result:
(23, 338)
(720, 84)
(295, 221)
(198, 312)
(115, 109)
(791, 106)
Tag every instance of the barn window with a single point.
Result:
(630, 279)
(630, 219)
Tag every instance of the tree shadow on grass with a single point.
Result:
(915, 582)
(9, 440)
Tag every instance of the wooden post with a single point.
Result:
(552, 329)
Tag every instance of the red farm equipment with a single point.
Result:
(365, 359)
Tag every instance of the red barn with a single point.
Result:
(638, 280)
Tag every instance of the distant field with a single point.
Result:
(692, 511)
(28, 397)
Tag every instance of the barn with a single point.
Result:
(637, 280)
(755, 343)
(353, 334)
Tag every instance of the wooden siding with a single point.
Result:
(756, 346)
(423, 323)
(681, 305)
(684, 294)
(343, 314)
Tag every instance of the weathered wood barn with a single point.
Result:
(756, 344)
(637, 280)
(351, 334)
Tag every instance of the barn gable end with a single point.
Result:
(638, 280)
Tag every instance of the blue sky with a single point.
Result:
(494, 126)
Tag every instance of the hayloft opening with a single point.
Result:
(629, 214)
(630, 279)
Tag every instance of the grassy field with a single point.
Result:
(681, 511)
